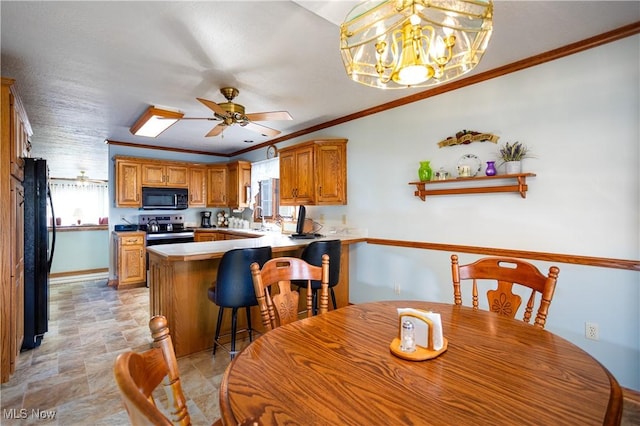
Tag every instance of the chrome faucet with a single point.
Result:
(263, 227)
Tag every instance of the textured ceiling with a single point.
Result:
(87, 70)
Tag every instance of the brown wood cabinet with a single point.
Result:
(214, 185)
(17, 265)
(14, 144)
(156, 174)
(217, 185)
(314, 173)
(202, 236)
(239, 184)
(128, 183)
(221, 234)
(197, 186)
(131, 269)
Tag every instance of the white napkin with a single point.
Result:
(422, 327)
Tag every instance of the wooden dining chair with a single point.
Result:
(139, 374)
(282, 307)
(507, 272)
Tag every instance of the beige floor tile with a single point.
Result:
(71, 372)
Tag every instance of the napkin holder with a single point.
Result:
(425, 350)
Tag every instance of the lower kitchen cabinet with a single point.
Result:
(131, 266)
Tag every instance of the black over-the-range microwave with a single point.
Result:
(165, 198)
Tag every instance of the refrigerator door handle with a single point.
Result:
(53, 230)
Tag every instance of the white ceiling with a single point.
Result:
(87, 70)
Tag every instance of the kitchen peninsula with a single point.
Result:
(180, 274)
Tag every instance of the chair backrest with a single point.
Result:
(139, 374)
(507, 272)
(312, 254)
(234, 286)
(282, 307)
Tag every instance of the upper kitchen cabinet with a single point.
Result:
(314, 173)
(128, 183)
(296, 175)
(239, 184)
(217, 185)
(20, 146)
(197, 186)
(164, 174)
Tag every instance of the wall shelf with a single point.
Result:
(505, 183)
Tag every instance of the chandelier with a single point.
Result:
(396, 44)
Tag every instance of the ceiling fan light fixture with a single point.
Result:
(395, 44)
(155, 121)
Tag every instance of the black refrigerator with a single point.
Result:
(38, 251)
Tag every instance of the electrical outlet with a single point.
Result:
(591, 331)
(344, 219)
(396, 288)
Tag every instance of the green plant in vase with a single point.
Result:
(512, 155)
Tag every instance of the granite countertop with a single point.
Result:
(214, 249)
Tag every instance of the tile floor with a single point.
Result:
(70, 374)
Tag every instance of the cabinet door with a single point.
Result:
(19, 140)
(239, 178)
(128, 187)
(232, 177)
(197, 187)
(133, 264)
(244, 195)
(205, 236)
(176, 176)
(153, 175)
(217, 186)
(17, 269)
(331, 171)
(304, 193)
(287, 178)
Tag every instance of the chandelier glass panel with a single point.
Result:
(414, 43)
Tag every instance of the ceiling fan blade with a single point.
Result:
(199, 118)
(269, 116)
(267, 131)
(216, 130)
(213, 106)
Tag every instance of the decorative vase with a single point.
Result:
(513, 167)
(491, 169)
(425, 172)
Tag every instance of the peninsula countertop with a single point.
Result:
(181, 274)
(215, 249)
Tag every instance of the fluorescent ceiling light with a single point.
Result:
(155, 121)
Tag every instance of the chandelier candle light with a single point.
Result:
(414, 43)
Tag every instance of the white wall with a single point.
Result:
(580, 116)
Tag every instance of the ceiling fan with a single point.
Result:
(231, 113)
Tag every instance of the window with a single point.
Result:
(265, 184)
(79, 203)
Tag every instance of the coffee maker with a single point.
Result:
(206, 220)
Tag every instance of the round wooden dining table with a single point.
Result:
(337, 369)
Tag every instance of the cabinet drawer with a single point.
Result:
(132, 240)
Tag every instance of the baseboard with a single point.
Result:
(76, 276)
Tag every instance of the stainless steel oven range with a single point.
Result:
(164, 229)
